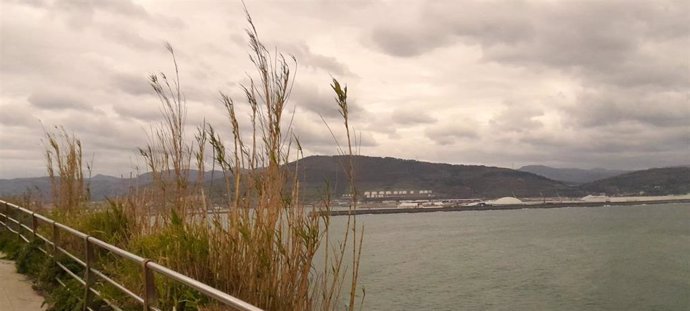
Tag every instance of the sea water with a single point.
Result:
(580, 258)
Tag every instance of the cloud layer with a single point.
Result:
(506, 83)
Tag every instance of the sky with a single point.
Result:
(502, 83)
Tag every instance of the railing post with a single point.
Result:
(34, 225)
(6, 216)
(149, 285)
(88, 275)
(19, 223)
(56, 238)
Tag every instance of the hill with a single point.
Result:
(100, 186)
(656, 181)
(372, 174)
(445, 180)
(390, 174)
(574, 176)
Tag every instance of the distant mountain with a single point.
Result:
(100, 186)
(39, 186)
(656, 181)
(573, 176)
(445, 180)
(316, 173)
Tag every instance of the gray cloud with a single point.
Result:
(321, 101)
(130, 38)
(134, 108)
(315, 135)
(613, 140)
(517, 117)
(452, 133)
(407, 43)
(306, 57)
(124, 7)
(577, 83)
(32, 3)
(597, 108)
(599, 40)
(440, 24)
(13, 114)
(412, 116)
(628, 58)
(22, 52)
(81, 13)
(131, 83)
(55, 100)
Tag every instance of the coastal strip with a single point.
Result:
(460, 208)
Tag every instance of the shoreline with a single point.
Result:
(378, 211)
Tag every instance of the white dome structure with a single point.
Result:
(595, 198)
(506, 201)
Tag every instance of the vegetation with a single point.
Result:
(65, 170)
(572, 176)
(655, 181)
(260, 246)
(446, 180)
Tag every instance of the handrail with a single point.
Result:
(90, 273)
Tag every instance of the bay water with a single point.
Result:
(580, 258)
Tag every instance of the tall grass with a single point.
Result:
(263, 248)
(264, 245)
(351, 230)
(65, 163)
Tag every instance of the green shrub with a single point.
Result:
(66, 298)
(183, 248)
(108, 223)
(30, 260)
(10, 244)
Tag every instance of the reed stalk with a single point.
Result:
(263, 245)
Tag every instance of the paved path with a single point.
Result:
(16, 293)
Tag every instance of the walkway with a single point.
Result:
(16, 293)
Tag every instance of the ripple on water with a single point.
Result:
(632, 257)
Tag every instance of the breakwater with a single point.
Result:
(461, 208)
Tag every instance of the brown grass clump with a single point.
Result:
(261, 245)
(65, 169)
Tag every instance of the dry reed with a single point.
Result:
(263, 247)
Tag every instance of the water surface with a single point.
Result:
(597, 258)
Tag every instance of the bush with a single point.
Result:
(30, 260)
(10, 244)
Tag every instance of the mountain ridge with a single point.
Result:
(653, 181)
(445, 180)
(575, 176)
(319, 173)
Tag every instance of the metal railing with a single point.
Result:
(10, 218)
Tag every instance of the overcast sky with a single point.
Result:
(503, 83)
